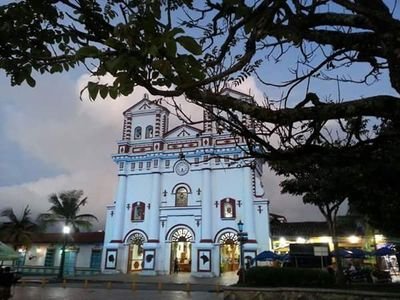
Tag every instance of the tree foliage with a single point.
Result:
(65, 208)
(18, 231)
(194, 48)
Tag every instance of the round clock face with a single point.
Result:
(182, 168)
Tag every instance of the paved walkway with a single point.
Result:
(227, 278)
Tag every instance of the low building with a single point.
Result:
(82, 255)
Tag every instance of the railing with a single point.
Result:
(50, 271)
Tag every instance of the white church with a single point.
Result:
(181, 193)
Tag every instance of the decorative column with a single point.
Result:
(206, 208)
(119, 216)
(248, 217)
(154, 209)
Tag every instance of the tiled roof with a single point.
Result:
(77, 237)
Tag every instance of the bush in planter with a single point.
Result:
(298, 277)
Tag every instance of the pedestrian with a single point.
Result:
(176, 265)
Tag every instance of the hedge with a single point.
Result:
(288, 277)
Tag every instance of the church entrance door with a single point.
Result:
(229, 249)
(135, 256)
(181, 251)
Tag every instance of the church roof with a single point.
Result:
(182, 131)
(96, 237)
(145, 103)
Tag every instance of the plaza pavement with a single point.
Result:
(177, 281)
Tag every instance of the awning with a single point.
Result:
(7, 253)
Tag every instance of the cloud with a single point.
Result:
(75, 139)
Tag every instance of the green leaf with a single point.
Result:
(93, 89)
(175, 31)
(126, 89)
(171, 48)
(163, 66)
(56, 68)
(30, 81)
(88, 51)
(113, 92)
(190, 45)
(103, 91)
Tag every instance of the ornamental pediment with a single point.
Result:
(183, 131)
(145, 105)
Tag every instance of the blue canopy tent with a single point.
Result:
(387, 250)
(358, 253)
(285, 257)
(267, 256)
(342, 253)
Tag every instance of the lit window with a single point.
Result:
(138, 133)
(228, 208)
(181, 197)
(149, 132)
(138, 211)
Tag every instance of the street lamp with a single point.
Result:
(242, 238)
(240, 226)
(66, 231)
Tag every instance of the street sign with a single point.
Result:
(321, 251)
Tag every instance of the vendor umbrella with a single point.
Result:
(383, 251)
(7, 253)
(342, 253)
(358, 253)
(266, 256)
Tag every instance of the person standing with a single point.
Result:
(176, 265)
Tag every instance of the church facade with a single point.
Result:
(181, 192)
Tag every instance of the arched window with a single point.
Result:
(228, 208)
(149, 132)
(138, 211)
(181, 197)
(138, 133)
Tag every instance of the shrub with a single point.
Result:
(289, 277)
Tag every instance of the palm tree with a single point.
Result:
(18, 232)
(64, 209)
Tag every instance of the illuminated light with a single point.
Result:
(300, 240)
(379, 238)
(282, 242)
(325, 239)
(66, 229)
(39, 250)
(353, 239)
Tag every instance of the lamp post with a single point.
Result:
(242, 238)
(66, 231)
